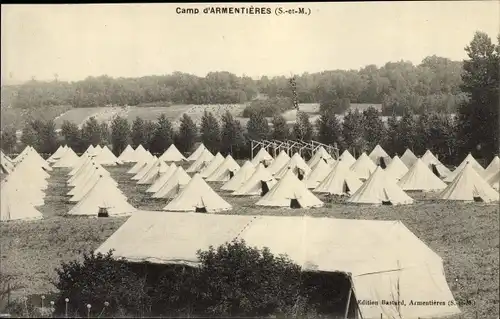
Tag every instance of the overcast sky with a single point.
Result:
(76, 41)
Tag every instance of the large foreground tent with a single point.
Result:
(297, 165)
(258, 184)
(196, 154)
(339, 181)
(127, 155)
(201, 162)
(468, 185)
(240, 177)
(197, 196)
(469, 159)
(363, 167)
(225, 171)
(383, 260)
(421, 178)
(380, 189)
(435, 165)
(396, 168)
(262, 157)
(290, 192)
(172, 154)
(409, 158)
(174, 185)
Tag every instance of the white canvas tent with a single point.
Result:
(409, 158)
(6, 164)
(127, 155)
(435, 165)
(377, 154)
(144, 169)
(290, 192)
(172, 154)
(469, 186)
(421, 178)
(396, 168)
(468, 159)
(384, 260)
(279, 162)
(162, 179)
(68, 160)
(339, 181)
(57, 154)
(140, 153)
(262, 156)
(492, 169)
(197, 196)
(103, 195)
(106, 157)
(318, 174)
(363, 167)
(81, 190)
(320, 155)
(202, 161)
(225, 171)
(196, 154)
(298, 167)
(140, 163)
(494, 180)
(212, 166)
(240, 177)
(174, 185)
(13, 204)
(380, 189)
(347, 158)
(258, 184)
(154, 173)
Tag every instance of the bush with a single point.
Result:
(268, 108)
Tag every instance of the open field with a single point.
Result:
(17, 118)
(466, 236)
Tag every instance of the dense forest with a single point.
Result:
(434, 84)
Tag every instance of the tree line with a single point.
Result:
(475, 128)
(433, 84)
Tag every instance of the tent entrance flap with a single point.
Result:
(294, 203)
(200, 209)
(478, 199)
(103, 212)
(345, 188)
(382, 163)
(231, 174)
(435, 170)
(264, 188)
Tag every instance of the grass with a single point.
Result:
(466, 236)
(17, 118)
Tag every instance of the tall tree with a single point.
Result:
(280, 129)
(163, 135)
(210, 132)
(105, 133)
(91, 133)
(374, 128)
(71, 136)
(407, 132)
(392, 138)
(423, 140)
(138, 133)
(29, 136)
(228, 133)
(329, 128)
(120, 134)
(187, 134)
(478, 117)
(8, 140)
(49, 139)
(149, 133)
(353, 132)
(257, 127)
(240, 144)
(303, 129)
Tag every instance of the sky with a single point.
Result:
(132, 40)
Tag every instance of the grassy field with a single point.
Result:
(17, 118)
(466, 236)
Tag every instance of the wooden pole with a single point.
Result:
(346, 313)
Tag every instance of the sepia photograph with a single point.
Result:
(304, 160)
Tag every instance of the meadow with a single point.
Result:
(466, 236)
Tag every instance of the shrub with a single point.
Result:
(269, 107)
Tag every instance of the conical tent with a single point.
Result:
(155, 171)
(347, 158)
(174, 185)
(494, 180)
(339, 181)
(172, 154)
(363, 167)
(84, 173)
(14, 206)
(140, 153)
(435, 165)
(85, 158)
(225, 171)
(290, 192)
(104, 195)
(298, 167)
(127, 155)
(162, 179)
(203, 160)
(469, 159)
(21, 155)
(492, 169)
(318, 174)
(196, 154)
(396, 168)
(6, 164)
(212, 166)
(408, 158)
(140, 174)
(140, 162)
(89, 151)
(421, 178)
(240, 177)
(69, 159)
(378, 154)
(197, 196)
(279, 162)
(81, 191)
(320, 155)
(57, 154)
(106, 157)
(258, 184)
(262, 156)
(379, 189)
(468, 185)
